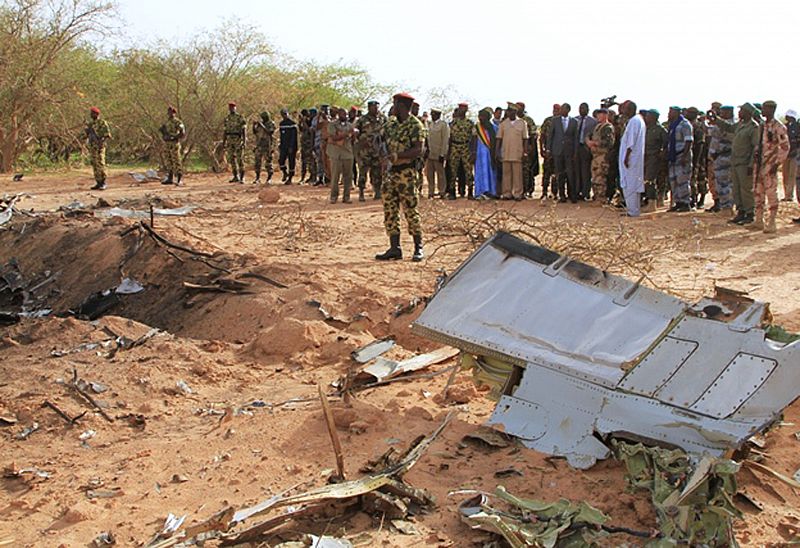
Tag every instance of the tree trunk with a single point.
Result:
(8, 146)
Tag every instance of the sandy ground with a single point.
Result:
(168, 450)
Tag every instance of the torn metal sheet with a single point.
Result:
(5, 215)
(372, 350)
(384, 369)
(134, 214)
(585, 352)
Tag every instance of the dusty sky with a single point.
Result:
(657, 52)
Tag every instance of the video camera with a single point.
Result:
(608, 102)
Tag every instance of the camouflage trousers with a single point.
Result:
(680, 182)
(722, 180)
(263, 154)
(548, 173)
(400, 191)
(699, 179)
(712, 180)
(369, 165)
(308, 162)
(765, 189)
(600, 168)
(234, 152)
(172, 157)
(98, 159)
(459, 157)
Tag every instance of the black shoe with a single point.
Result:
(394, 253)
(682, 208)
(562, 200)
(168, 180)
(713, 209)
(178, 181)
(99, 185)
(748, 218)
(796, 221)
(738, 219)
(418, 253)
(235, 178)
(451, 196)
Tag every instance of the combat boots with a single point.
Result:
(241, 176)
(758, 222)
(178, 180)
(418, 254)
(168, 180)
(714, 208)
(769, 226)
(99, 185)
(258, 178)
(361, 195)
(394, 253)
(235, 178)
(740, 215)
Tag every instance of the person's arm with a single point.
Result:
(445, 142)
(499, 141)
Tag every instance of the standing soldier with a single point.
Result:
(548, 168)
(404, 144)
(679, 155)
(287, 146)
(370, 140)
(173, 131)
(420, 162)
(655, 160)
(746, 136)
(321, 144)
(773, 150)
(720, 151)
(530, 164)
(97, 133)
(263, 130)
(789, 171)
(307, 158)
(601, 142)
(233, 141)
(699, 181)
(461, 153)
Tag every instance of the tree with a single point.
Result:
(35, 37)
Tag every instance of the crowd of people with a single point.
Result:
(626, 158)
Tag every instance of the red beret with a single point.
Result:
(465, 105)
(404, 96)
(94, 110)
(231, 104)
(354, 107)
(556, 105)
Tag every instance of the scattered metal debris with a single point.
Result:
(409, 307)
(106, 538)
(23, 473)
(183, 387)
(129, 286)
(489, 437)
(26, 432)
(587, 353)
(149, 175)
(384, 369)
(372, 350)
(79, 385)
(134, 214)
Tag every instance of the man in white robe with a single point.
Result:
(631, 160)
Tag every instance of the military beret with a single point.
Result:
(692, 109)
(94, 110)
(372, 102)
(231, 104)
(265, 115)
(521, 105)
(726, 107)
(511, 106)
(404, 97)
(772, 104)
(325, 106)
(354, 108)
(312, 110)
(747, 107)
(757, 105)
(679, 109)
(556, 105)
(654, 112)
(465, 105)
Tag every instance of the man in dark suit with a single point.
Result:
(563, 143)
(583, 161)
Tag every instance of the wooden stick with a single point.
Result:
(337, 447)
(152, 217)
(60, 413)
(166, 242)
(450, 380)
(87, 397)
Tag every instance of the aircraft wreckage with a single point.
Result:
(576, 355)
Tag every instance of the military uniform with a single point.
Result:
(263, 131)
(530, 165)
(746, 135)
(602, 143)
(98, 132)
(773, 150)
(655, 172)
(720, 150)
(172, 132)
(462, 132)
(234, 126)
(548, 166)
(400, 188)
(699, 150)
(619, 123)
(308, 162)
(419, 163)
(370, 141)
(680, 164)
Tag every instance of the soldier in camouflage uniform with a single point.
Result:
(420, 162)
(601, 143)
(721, 151)
(699, 181)
(655, 161)
(679, 155)
(772, 152)
(233, 140)
(263, 131)
(530, 164)
(370, 128)
(172, 131)
(404, 145)
(548, 167)
(308, 162)
(461, 153)
(97, 133)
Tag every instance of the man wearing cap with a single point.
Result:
(743, 149)
(790, 165)
(370, 141)
(233, 140)
(404, 136)
(655, 160)
(699, 180)
(773, 150)
(530, 165)
(308, 163)
(172, 131)
(511, 148)
(461, 153)
(287, 146)
(263, 130)
(679, 157)
(583, 154)
(437, 147)
(600, 143)
(97, 133)
(548, 169)
(631, 159)
(720, 150)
